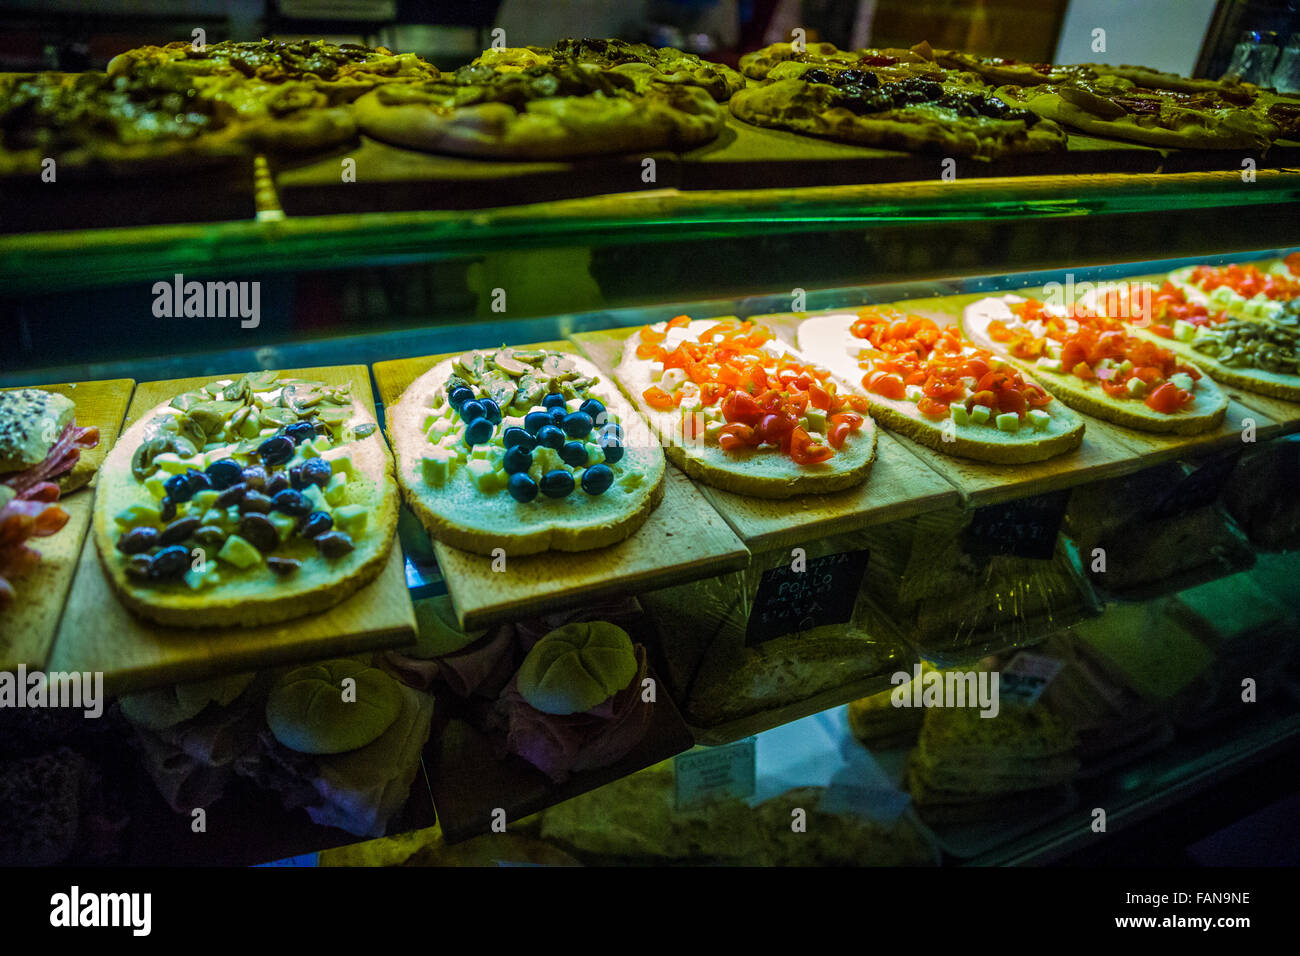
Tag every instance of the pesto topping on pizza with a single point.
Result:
(56, 112)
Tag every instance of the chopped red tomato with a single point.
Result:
(656, 397)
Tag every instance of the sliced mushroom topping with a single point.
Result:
(501, 388)
(558, 366)
(276, 417)
(506, 362)
(186, 400)
(142, 460)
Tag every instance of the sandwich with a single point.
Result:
(41, 458)
(575, 703)
(190, 735)
(523, 449)
(1258, 352)
(737, 409)
(251, 500)
(342, 740)
(1094, 364)
(936, 388)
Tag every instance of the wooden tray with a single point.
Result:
(748, 156)
(683, 539)
(391, 178)
(98, 634)
(27, 628)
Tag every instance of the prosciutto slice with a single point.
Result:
(20, 520)
(62, 458)
(559, 745)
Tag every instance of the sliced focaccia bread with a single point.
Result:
(523, 449)
(1245, 291)
(738, 409)
(930, 384)
(1094, 364)
(1256, 354)
(251, 500)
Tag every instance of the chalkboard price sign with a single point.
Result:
(1026, 527)
(823, 592)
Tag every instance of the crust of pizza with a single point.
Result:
(1176, 126)
(345, 81)
(788, 104)
(760, 63)
(641, 62)
(559, 127)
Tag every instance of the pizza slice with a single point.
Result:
(559, 110)
(856, 106)
(759, 64)
(93, 121)
(662, 64)
(340, 71)
(1259, 353)
(1111, 106)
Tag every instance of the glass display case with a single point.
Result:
(1122, 611)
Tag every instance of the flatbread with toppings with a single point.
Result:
(855, 106)
(662, 64)
(341, 71)
(526, 450)
(249, 501)
(760, 63)
(738, 409)
(1111, 106)
(164, 121)
(558, 110)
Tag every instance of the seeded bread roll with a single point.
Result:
(31, 421)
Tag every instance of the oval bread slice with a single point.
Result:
(461, 515)
(257, 596)
(1258, 380)
(1206, 410)
(762, 473)
(827, 341)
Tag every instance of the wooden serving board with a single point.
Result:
(97, 632)
(391, 178)
(899, 485)
(683, 539)
(28, 627)
(747, 156)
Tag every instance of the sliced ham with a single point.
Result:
(62, 458)
(20, 520)
(559, 745)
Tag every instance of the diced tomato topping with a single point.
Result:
(929, 407)
(805, 451)
(761, 393)
(1168, 398)
(887, 384)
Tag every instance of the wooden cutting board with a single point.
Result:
(28, 627)
(390, 178)
(899, 485)
(98, 634)
(683, 539)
